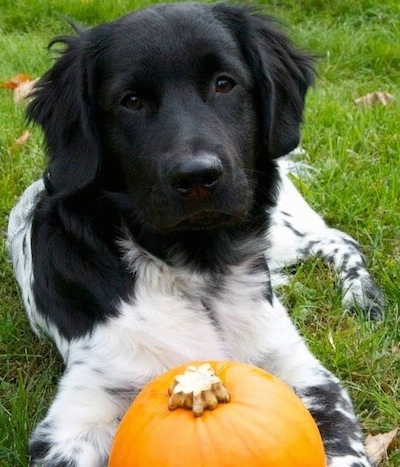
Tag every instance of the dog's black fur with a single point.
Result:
(163, 131)
(109, 162)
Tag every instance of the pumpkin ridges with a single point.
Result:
(257, 431)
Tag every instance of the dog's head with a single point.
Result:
(181, 109)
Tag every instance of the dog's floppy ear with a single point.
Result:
(63, 106)
(281, 72)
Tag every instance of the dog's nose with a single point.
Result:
(196, 177)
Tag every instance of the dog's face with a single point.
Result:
(182, 108)
(177, 118)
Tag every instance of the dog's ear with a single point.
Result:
(281, 72)
(63, 106)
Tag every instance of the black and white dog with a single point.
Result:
(146, 245)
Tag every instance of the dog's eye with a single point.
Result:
(223, 84)
(132, 102)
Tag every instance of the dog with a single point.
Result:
(165, 201)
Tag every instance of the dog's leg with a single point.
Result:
(78, 429)
(288, 357)
(297, 232)
(331, 408)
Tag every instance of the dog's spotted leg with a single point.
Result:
(321, 392)
(332, 409)
(80, 424)
(297, 233)
(343, 253)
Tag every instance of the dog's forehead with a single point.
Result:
(182, 31)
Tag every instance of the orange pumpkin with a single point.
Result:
(258, 421)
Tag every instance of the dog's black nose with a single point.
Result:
(196, 177)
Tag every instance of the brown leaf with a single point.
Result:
(372, 98)
(23, 90)
(23, 138)
(377, 446)
(15, 81)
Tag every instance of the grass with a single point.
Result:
(356, 187)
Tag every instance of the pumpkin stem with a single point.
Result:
(198, 389)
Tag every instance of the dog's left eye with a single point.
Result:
(224, 84)
(132, 102)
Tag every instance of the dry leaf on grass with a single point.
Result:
(23, 138)
(15, 81)
(377, 446)
(376, 97)
(20, 141)
(23, 91)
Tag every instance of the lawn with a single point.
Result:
(356, 185)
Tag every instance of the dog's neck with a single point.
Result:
(209, 250)
(206, 250)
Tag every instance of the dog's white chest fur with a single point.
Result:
(176, 315)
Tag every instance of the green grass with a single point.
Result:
(356, 152)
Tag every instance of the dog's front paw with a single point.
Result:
(363, 294)
(347, 461)
(57, 446)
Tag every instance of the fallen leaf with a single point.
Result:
(23, 90)
(372, 98)
(377, 446)
(23, 138)
(15, 81)
(20, 141)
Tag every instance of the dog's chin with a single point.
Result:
(203, 221)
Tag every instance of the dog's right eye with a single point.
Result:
(132, 102)
(224, 84)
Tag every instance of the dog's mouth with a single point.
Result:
(207, 220)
